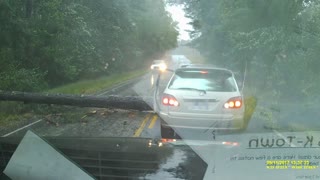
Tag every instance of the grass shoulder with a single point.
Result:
(96, 85)
(250, 104)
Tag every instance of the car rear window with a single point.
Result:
(209, 80)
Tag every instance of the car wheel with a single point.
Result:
(167, 132)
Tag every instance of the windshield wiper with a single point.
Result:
(194, 89)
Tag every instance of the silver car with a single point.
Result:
(202, 97)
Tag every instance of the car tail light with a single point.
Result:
(169, 100)
(168, 140)
(233, 103)
(231, 143)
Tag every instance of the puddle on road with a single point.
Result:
(170, 168)
(183, 164)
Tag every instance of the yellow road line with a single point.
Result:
(143, 124)
(153, 121)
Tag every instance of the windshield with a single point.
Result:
(159, 89)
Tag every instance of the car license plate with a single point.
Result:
(201, 106)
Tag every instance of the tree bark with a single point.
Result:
(116, 102)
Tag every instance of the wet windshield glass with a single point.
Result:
(160, 89)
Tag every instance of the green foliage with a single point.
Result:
(65, 41)
(277, 39)
(22, 80)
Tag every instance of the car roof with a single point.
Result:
(201, 66)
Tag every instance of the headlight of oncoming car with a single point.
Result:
(163, 67)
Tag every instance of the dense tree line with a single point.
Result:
(46, 43)
(278, 40)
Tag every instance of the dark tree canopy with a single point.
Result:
(279, 40)
(54, 42)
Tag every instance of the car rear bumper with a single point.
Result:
(203, 121)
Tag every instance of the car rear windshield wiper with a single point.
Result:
(194, 89)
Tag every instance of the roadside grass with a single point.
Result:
(14, 112)
(11, 112)
(275, 108)
(93, 86)
(250, 104)
(8, 119)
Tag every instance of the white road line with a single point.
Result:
(279, 134)
(22, 128)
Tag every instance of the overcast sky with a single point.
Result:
(179, 15)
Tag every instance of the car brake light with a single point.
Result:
(169, 100)
(232, 103)
(231, 143)
(168, 140)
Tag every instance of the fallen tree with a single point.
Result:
(117, 102)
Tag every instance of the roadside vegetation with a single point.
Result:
(250, 107)
(97, 85)
(47, 44)
(76, 47)
(281, 54)
(276, 42)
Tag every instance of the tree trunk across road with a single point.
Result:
(117, 102)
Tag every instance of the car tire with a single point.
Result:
(167, 132)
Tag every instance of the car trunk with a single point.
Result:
(196, 102)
